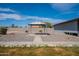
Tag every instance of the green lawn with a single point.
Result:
(40, 51)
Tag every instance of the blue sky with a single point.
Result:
(22, 14)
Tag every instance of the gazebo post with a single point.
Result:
(30, 29)
(46, 27)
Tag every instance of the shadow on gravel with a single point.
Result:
(42, 33)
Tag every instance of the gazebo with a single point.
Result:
(37, 25)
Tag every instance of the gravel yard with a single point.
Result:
(21, 38)
(59, 38)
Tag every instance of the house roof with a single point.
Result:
(77, 19)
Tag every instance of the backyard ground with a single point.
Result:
(39, 51)
(17, 36)
(56, 44)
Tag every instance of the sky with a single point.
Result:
(22, 14)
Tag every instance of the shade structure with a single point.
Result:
(37, 26)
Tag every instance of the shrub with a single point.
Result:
(3, 30)
(40, 31)
(26, 31)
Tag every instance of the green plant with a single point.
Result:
(3, 30)
(49, 24)
(40, 31)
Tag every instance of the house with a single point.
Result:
(69, 27)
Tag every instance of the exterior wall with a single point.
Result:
(78, 27)
(69, 26)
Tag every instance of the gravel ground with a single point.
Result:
(21, 38)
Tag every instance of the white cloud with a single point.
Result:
(4, 16)
(52, 20)
(63, 6)
(65, 13)
(37, 18)
(7, 10)
(56, 21)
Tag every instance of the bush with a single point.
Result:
(26, 31)
(40, 31)
(3, 30)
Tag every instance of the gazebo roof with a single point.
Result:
(38, 23)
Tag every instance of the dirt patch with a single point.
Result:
(39, 51)
(59, 49)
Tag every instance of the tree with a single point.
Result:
(40, 31)
(49, 25)
(13, 25)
